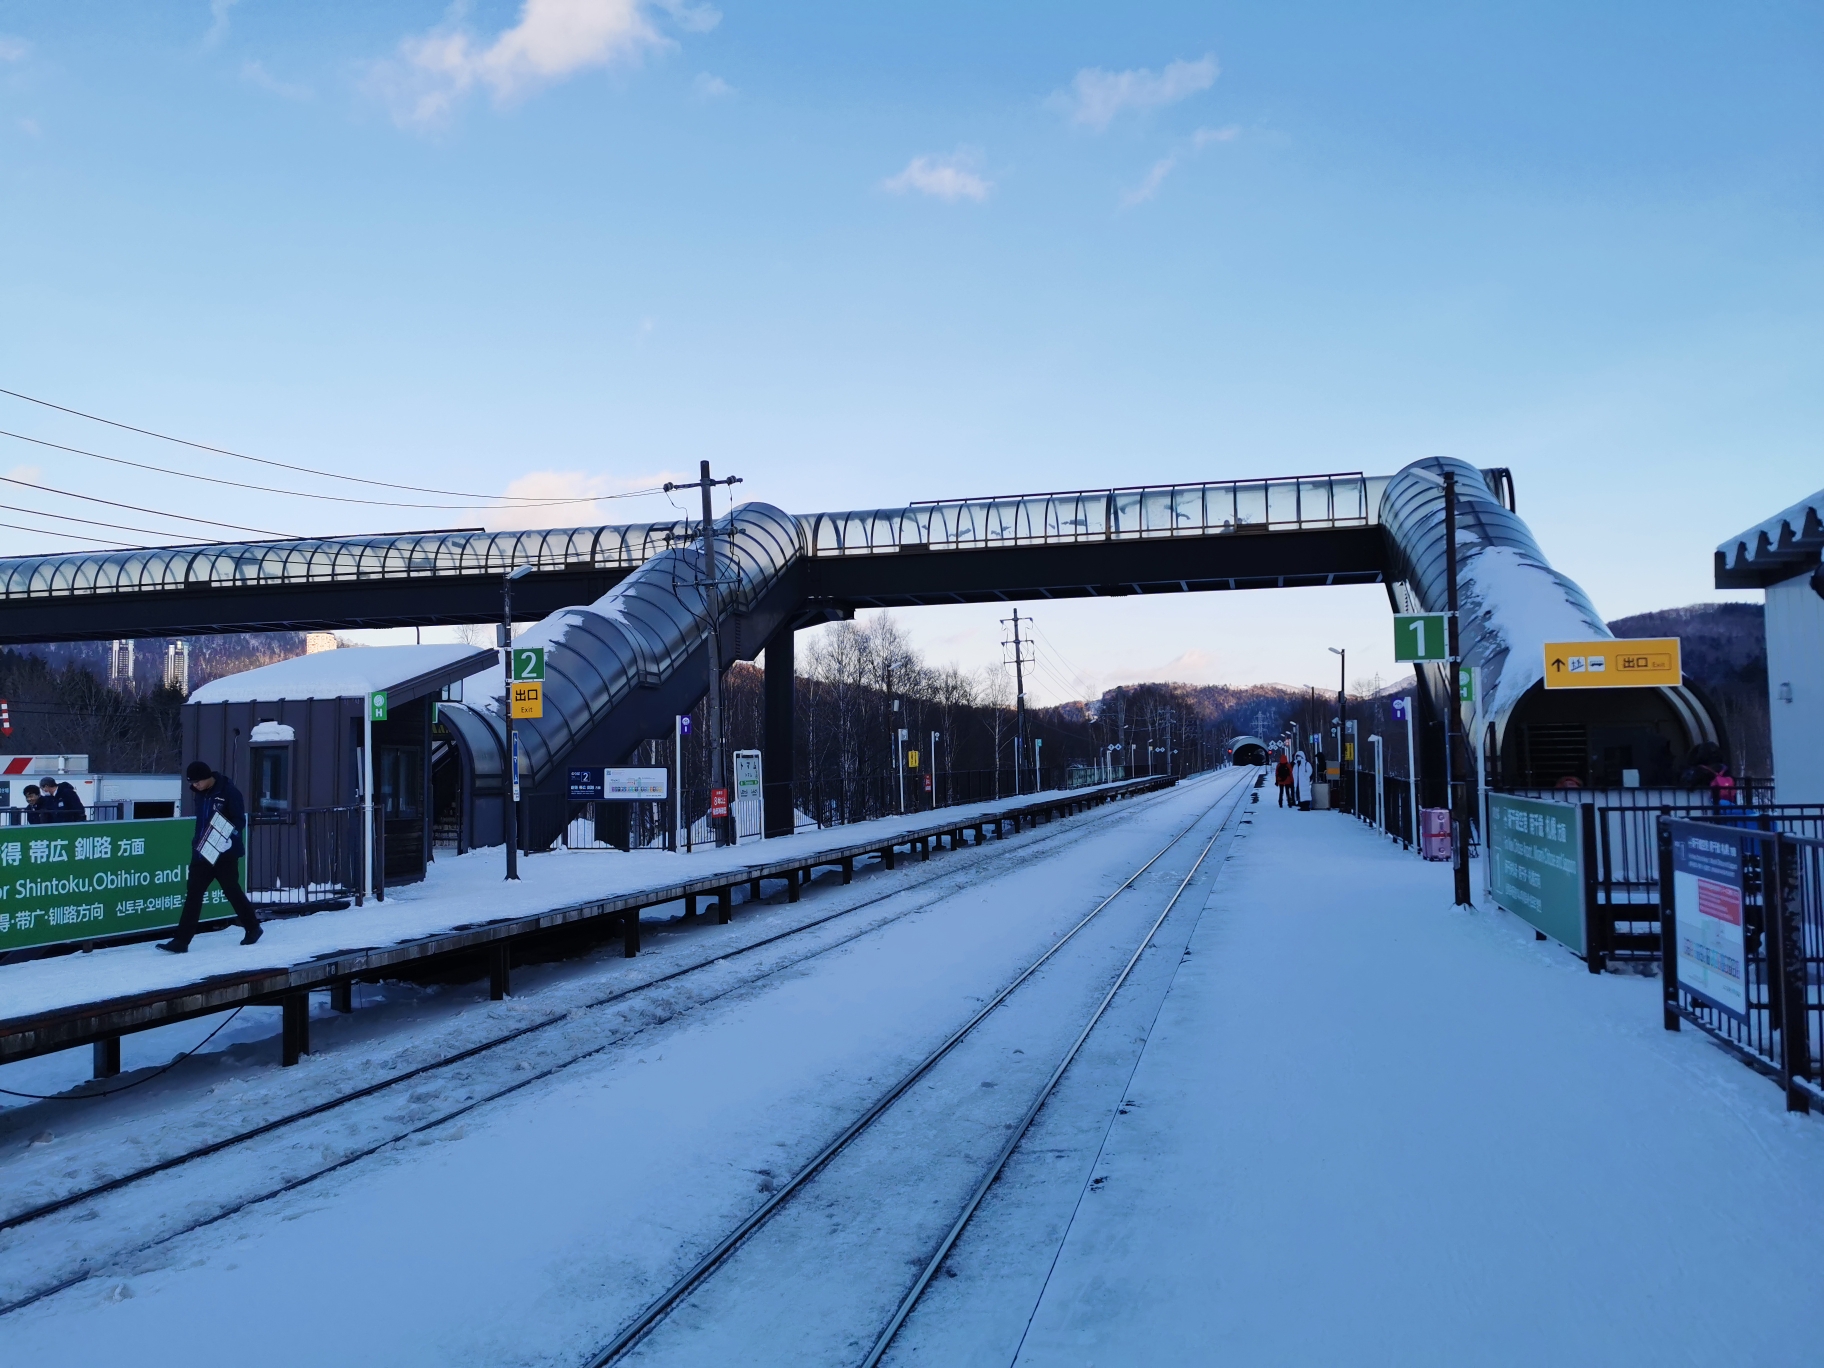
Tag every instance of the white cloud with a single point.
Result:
(553, 40)
(1203, 137)
(30, 127)
(13, 49)
(1150, 186)
(570, 484)
(1097, 96)
(707, 87)
(218, 26)
(691, 18)
(256, 73)
(947, 178)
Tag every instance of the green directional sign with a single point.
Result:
(376, 706)
(1466, 684)
(1420, 636)
(528, 663)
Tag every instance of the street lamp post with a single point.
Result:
(1342, 707)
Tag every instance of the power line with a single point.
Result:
(268, 489)
(99, 541)
(111, 503)
(91, 522)
(513, 500)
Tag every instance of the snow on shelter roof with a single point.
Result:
(406, 672)
(1787, 544)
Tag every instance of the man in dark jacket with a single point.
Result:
(215, 794)
(67, 806)
(36, 811)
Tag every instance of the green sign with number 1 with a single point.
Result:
(1420, 636)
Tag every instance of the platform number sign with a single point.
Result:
(1420, 636)
(528, 663)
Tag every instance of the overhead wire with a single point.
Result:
(90, 522)
(513, 500)
(291, 493)
(114, 503)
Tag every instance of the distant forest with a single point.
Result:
(61, 701)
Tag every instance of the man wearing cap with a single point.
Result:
(215, 858)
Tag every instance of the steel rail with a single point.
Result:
(948, 1243)
(318, 1109)
(655, 1311)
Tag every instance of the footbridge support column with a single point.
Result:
(776, 758)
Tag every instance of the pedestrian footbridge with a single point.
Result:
(625, 616)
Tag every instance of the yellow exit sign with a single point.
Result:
(528, 701)
(1647, 662)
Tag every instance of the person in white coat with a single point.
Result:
(1301, 781)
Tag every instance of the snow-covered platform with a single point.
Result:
(462, 908)
(1369, 1128)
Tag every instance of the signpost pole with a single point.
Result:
(510, 797)
(677, 790)
(367, 801)
(1412, 778)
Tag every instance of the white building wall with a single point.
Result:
(1795, 687)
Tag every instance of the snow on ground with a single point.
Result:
(526, 1232)
(1371, 1129)
(457, 891)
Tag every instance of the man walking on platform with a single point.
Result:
(216, 850)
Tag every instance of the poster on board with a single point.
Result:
(1707, 889)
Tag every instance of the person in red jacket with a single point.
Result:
(1282, 775)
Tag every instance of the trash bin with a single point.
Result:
(1320, 797)
(1434, 833)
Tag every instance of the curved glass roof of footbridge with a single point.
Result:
(1135, 512)
(333, 560)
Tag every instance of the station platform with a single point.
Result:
(1371, 1128)
(464, 908)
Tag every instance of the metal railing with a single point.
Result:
(1312, 502)
(1624, 858)
(1769, 1008)
(94, 812)
(310, 859)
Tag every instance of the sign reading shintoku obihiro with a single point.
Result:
(68, 881)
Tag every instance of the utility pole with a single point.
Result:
(718, 780)
(1019, 697)
(506, 703)
(1454, 794)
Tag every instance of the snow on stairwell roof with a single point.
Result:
(1787, 544)
(406, 672)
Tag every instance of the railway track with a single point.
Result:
(1036, 848)
(636, 1331)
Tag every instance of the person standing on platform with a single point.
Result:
(67, 805)
(216, 850)
(1301, 781)
(1282, 776)
(36, 813)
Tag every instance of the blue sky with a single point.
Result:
(861, 254)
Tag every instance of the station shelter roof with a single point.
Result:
(1787, 544)
(402, 672)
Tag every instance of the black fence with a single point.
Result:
(815, 804)
(310, 859)
(1757, 892)
(1623, 861)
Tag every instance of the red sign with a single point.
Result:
(718, 802)
(927, 783)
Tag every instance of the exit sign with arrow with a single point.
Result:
(1639, 663)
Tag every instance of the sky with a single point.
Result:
(865, 254)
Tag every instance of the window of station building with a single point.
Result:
(400, 780)
(272, 778)
(451, 692)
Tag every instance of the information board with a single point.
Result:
(73, 881)
(1537, 848)
(619, 784)
(1707, 892)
